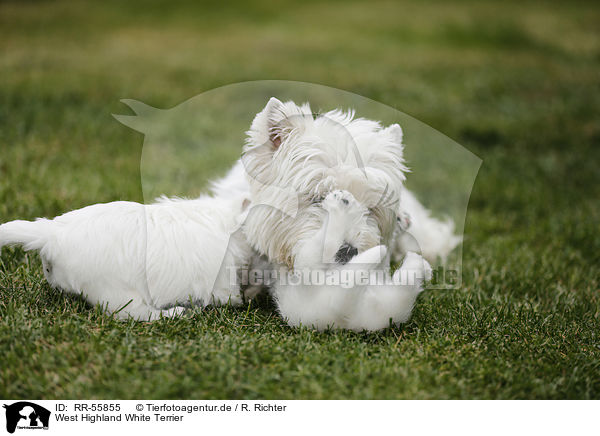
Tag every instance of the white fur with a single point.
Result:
(290, 149)
(144, 261)
(371, 306)
(430, 236)
(315, 185)
(337, 134)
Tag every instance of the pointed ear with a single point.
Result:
(395, 131)
(272, 125)
(275, 119)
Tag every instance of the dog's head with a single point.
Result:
(290, 148)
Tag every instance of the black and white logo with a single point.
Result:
(26, 415)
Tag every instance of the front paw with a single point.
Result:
(372, 256)
(338, 201)
(173, 312)
(416, 267)
(403, 220)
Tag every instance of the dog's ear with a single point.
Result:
(395, 131)
(275, 122)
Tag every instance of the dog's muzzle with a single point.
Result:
(345, 253)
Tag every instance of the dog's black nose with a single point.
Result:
(345, 253)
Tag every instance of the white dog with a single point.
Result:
(335, 149)
(342, 179)
(372, 305)
(293, 157)
(141, 261)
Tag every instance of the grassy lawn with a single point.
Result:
(518, 84)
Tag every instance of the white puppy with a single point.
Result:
(143, 261)
(357, 295)
(345, 177)
(328, 150)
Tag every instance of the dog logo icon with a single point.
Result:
(26, 415)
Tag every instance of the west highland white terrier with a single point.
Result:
(323, 151)
(345, 176)
(141, 261)
(325, 195)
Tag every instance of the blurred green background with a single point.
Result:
(517, 83)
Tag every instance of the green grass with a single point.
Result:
(516, 83)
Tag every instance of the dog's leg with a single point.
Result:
(342, 210)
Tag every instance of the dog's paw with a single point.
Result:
(343, 203)
(372, 256)
(338, 200)
(173, 312)
(417, 266)
(403, 220)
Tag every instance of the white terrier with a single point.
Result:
(341, 176)
(375, 304)
(332, 150)
(141, 261)
(345, 175)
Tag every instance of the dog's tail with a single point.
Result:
(32, 235)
